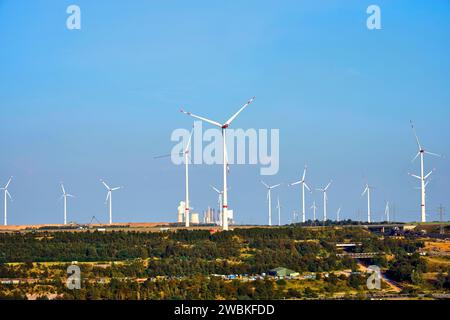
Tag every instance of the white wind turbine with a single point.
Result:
(64, 196)
(224, 151)
(185, 153)
(325, 199)
(109, 196)
(314, 207)
(386, 211)
(7, 194)
(220, 193)
(186, 164)
(269, 198)
(279, 211)
(367, 190)
(304, 185)
(422, 177)
(338, 214)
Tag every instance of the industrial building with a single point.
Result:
(283, 272)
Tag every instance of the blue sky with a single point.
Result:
(76, 106)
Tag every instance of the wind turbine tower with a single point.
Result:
(109, 196)
(64, 196)
(325, 200)
(220, 193)
(186, 165)
(314, 207)
(422, 177)
(386, 212)
(6, 196)
(223, 126)
(367, 190)
(304, 185)
(185, 153)
(269, 198)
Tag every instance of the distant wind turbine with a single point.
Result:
(269, 198)
(64, 196)
(367, 190)
(225, 161)
(338, 217)
(109, 196)
(220, 193)
(304, 185)
(422, 177)
(7, 194)
(386, 211)
(186, 165)
(314, 207)
(279, 211)
(325, 200)
(185, 153)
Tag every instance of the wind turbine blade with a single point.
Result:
(415, 134)
(215, 189)
(433, 154)
(63, 190)
(328, 185)
(104, 183)
(69, 195)
(239, 111)
(189, 141)
(201, 118)
(413, 175)
(166, 155)
(9, 181)
(107, 196)
(265, 184)
(307, 187)
(116, 188)
(295, 183)
(304, 174)
(364, 192)
(426, 177)
(274, 186)
(415, 156)
(9, 195)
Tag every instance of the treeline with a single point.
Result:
(120, 245)
(194, 288)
